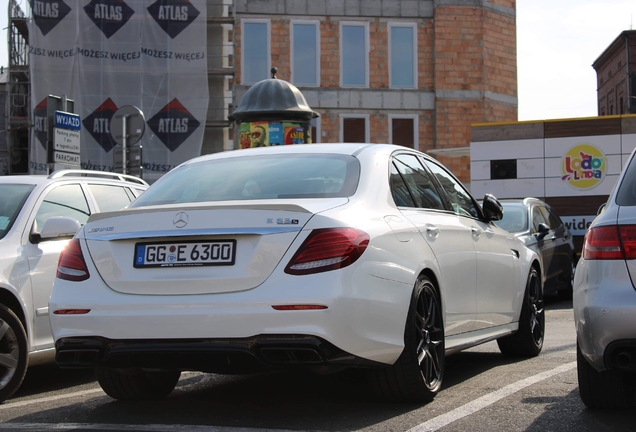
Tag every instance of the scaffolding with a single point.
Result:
(17, 124)
(221, 17)
(14, 154)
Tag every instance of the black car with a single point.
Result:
(542, 230)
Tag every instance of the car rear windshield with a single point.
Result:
(515, 218)
(279, 176)
(12, 198)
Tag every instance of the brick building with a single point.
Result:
(616, 76)
(410, 72)
(416, 73)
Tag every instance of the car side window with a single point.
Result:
(553, 219)
(399, 190)
(463, 204)
(418, 182)
(109, 197)
(137, 192)
(66, 200)
(537, 218)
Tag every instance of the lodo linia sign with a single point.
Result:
(572, 164)
(584, 166)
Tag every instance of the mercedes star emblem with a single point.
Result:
(180, 220)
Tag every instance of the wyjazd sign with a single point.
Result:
(66, 120)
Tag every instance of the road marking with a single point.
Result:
(50, 398)
(77, 394)
(125, 427)
(487, 400)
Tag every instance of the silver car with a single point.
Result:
(604, 301)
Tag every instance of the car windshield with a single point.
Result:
(12, 197)
(276, 176)
(515, 218)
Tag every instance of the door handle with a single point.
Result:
(432, 231)
(476, 232)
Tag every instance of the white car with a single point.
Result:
(38, 216)
(322, 256)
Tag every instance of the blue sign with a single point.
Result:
(66, 120)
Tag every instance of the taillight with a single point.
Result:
(71, 265)
(614, 242)
(328, 249)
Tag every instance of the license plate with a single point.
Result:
(194, 253)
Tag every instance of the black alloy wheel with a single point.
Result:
(429, 334)
(537, 313)
(14, 353)
(527, 341)
(417, 374)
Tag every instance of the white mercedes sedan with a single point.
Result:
(321, 256)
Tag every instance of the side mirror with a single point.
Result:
(493, 210)
(542, 231)
(59, 228)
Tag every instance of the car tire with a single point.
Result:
(606, 389)
(566, 293)
(417, 374)
(136, 384)
(14, 352)
(527, 341)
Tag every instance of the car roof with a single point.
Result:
(336, 148)
(42, 179)
(523, 201)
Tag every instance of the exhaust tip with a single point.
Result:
(624, 360)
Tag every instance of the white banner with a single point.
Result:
(104, 54)
(578, 225)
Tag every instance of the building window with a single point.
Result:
(403, 55)
(403, 130)
(255, 51)
(305, 53)
(354, 128)
(503, 169)
(315, 130)
(354, 54)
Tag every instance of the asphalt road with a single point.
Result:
(483, 391)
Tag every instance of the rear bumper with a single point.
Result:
(248, 355)
(364, 315)
(604, 304)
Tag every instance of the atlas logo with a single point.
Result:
(173, 124)
(173, 16)
(109, 15)
(48, 13)
(98, 124)
(40, 123)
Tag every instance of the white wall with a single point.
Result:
(540, 165)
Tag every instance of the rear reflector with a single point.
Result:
(71, 312)
(300, 307)
(328, 249)
(71, 265)
(613, 242)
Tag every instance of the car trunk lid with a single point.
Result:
(199, 249)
